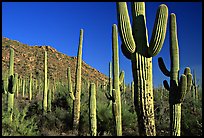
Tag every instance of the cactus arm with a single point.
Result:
(159, 31)
(121, 77)
(124, 26)
(163, 67)
(182, 87)
(125, 52)
(174, 50)
(166, 85)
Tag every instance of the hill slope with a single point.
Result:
(29, 59)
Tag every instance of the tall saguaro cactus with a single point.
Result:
(92, 110)
(178, 88)
(11, 85)
(136, 48)
(77, 94)
(30, 87)
(116, 88)
(45, 85)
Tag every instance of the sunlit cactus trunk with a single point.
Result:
(23, 89)
(11, 85)
(92, 110)
(30, 87)
(178, 88)
(135, 47)
(70, 84)
(116, 87)
(77, 94)
(45, 85)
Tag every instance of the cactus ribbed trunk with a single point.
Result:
(135, 47)
(77, 94)
(23, 91)
(116, 92)
(45, 85)
(30, 87)
(92, 110)
(110, 80)
(11, 85)
(70, 84)
(177, 89)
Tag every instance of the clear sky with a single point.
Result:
(58, 24)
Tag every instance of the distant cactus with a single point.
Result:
(49, 100)
(136, 48)
(23, 89)
(70, 84)
(45, 85)
(195, 87)
(116, 82)
(177, 88)
(92, 110)
(30, 87)
(77, 94)
(132, 91)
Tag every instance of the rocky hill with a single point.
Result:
(30, 59)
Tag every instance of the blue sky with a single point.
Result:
(58, 24)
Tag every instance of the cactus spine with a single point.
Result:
(136, 48)
(45, 86)
(116, 81)
(77, 94)
(177, 89)
(92, 110)
(30, 87)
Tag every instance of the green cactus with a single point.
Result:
(77, 94)
(92, 110)
(110, 81)
(45, 86)
(17, 84)
(195, 87)
(23, 89)
(132, 91)
(30, 87)
(136, 48)
(177, 88)
(116, 82)
(49, 98)
(70, 84)
(11, 85)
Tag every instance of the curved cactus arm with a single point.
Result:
(159, 31)
(163, 67)
(125, 52)
(124, 26)
(166, 85)
(109, 97)
(182, 87)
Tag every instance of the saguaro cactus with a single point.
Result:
(77, 94)
(70, 84)
(136, 48)
(23, 89)
(195, 87)
(178, 88)
(45, 86)
(116, 88)
(30, 87)
(11, 85)
(92, 110)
